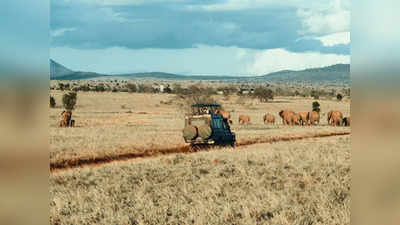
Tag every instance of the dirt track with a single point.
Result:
(67, 164)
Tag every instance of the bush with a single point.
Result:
(69, 100)
(263, 94)
(131, 87)
(61, 86)
(143, 88)
(52, 102)
(315, 107)
(315, 94)
(168, 90)
(100, 88)
(84, 88)
(339, 97)
(76, 89)
(227, 90)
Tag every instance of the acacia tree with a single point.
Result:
(263, 94)
(315, 107)
(52, 102)
(339, 97)
(69, 100)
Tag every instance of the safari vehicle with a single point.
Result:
(206, 126)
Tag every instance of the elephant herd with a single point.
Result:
(289, 117)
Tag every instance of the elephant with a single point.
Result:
(286, 116)
(346, 121)
(296, 119)
(313, 117)
(244, 119)
(335, 118)
(269, 118)
(303, 117)
(66, 118)
(225, 114)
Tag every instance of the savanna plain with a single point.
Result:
(290, 182)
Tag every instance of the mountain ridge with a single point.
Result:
(333, 73)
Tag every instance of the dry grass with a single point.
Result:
(110, 123)
(301, 182)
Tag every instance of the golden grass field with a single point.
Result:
(295, 182)
(111, 123)
(300, 182)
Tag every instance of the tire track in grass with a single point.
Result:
(84, 162)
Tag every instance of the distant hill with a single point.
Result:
(339, 73)
(58, 70)
(335, 73)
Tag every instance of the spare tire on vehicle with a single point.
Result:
(204, 131)
(190, 132)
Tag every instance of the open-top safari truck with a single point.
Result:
(206, 126)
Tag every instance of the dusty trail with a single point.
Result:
(67, 164)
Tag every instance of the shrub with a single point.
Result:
(178, 89)
(100, 88)
(168, 90)
(52, 102)
(346, 91)
(189, 100)
(263, 94)
(228, 90)
(76, 89)
(143, 88)
(339, 97)
(69, 100)
(315, 107)
(131, 87)
(314, 94)
(61, 86)
(84, 88)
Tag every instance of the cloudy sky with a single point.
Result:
(225, 37)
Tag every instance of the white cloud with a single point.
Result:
(317, 17)
(232, 5)
(333, 18)
(335, 39)
(61, 31)
(279, 59)
(124, 2)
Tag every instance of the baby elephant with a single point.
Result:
(346, 121)
(296, 119)
(66, 119)
(244, 119)
(269, 118)
(312, 118)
